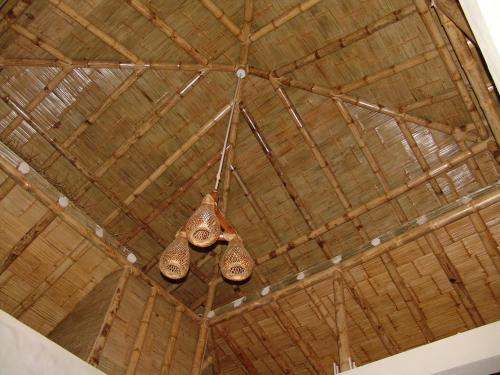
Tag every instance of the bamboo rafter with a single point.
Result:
(487, 239)
(157, 21)
(222, 17)
(283, 18)
(105, 64)
(457, 210)
(172, 339)
(337, 44)
(237, 351)
(429, 101)
(452, 69)
(341, 320)
(384, 198)
(245, 31)
(452, 10)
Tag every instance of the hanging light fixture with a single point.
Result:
(207, 225)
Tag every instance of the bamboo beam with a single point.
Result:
(264, 341)
(98, 346)
(450, 66)
(285, 181)
(236, 349)
(454, 277)
(170, 160)
(245, 32)
(408, 297)
(283, 18)
(279, 315)
(452, 10)
(489, 242)
(202, 338)
(90, 27)
(60, 268)
(141, 333)
(473, 72)
(12, 15)
(341, 320)
(387, 340)
(213, 349)
(460, 211)
(318, 155)
(161, 108)
(340, 43)
(107, 64)
(172, 339)
(222, 17)
(161, 25)
(458, 132)
(27, 240)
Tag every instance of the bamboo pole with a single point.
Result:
(264, 341)
(318, 155)
(387, 340)
(170, 160)
(279, 315)
(172, 339)
(473, 72)
(60, 268)
(379, 108)
(340, 43)
(283, 18)
(430, 100)
(237, 351)
(388, 72)
(384, 198)
(172, 34)
(202, 338)
(27, 239)
(98, 346)
(461, 211)
(107, 64)
(341, 320)
(90, 27)
(280, 172)
(454, 277)
(245, 32)
(222, 17)
(212, 348)
(17, 10)
(408, 297)
(141, 333)
(161, 108)
(487, 239)
(453, 72)
(452, 10)
(207, 362)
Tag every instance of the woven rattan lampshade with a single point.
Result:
(174, 262)
(203, 228)
(235, 263)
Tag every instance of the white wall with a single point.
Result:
(475, 352)
(24, 351)
(484, 19)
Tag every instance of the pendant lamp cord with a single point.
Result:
(226, 137)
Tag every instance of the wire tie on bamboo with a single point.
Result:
(239, 301)
(63, 201)
(23, 167)
(375, 241)
(300, 276)
(265, 291)
(210, 314)
(422, 220)
(337, 259)
(99, 231)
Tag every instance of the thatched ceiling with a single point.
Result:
(114, 102)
